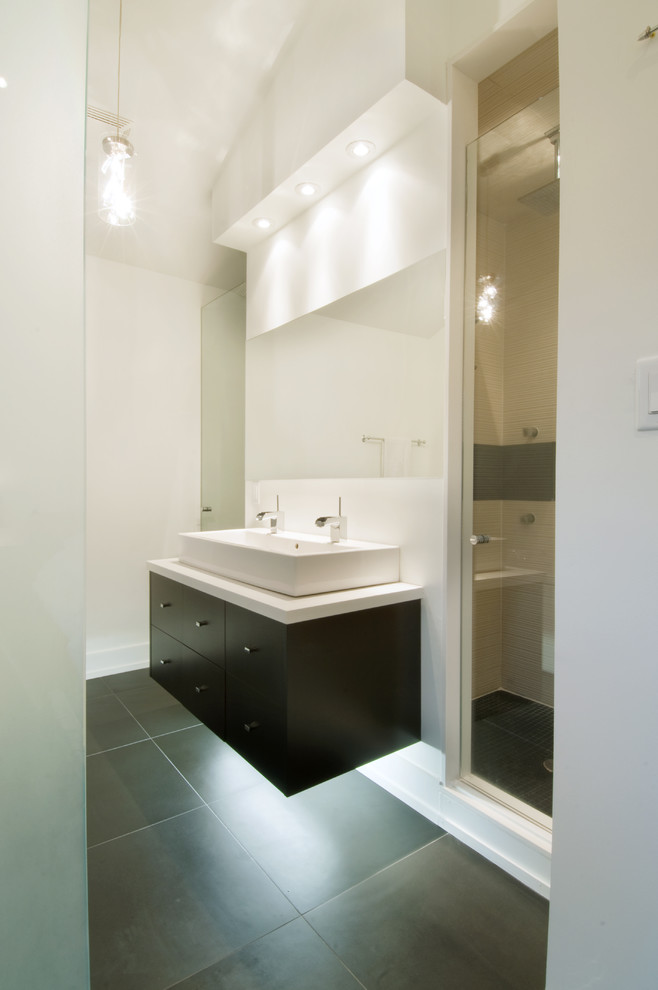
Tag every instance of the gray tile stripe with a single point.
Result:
(514, 472)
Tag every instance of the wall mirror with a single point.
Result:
(354, 389)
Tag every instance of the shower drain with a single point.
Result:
(548, 765)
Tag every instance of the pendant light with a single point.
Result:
(116, 193)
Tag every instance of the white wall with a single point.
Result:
(604, 902)
(43, 940)
(143, 446)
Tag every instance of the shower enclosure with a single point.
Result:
(509, 459)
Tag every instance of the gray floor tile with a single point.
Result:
(96, 687)
(110, 725)
(444, 917)
(173, 899)
(156, 709)
(292, 958)
(210, 765)
(129, 679)
(131, 787)
(323, 840)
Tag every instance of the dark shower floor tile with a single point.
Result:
(323, 840)
(110, 725)
(443, 917)
(173, 899)
(512, 764)
(215, 770)
(291, 958)
(511, 740)
(131, 787)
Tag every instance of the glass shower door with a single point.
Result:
(509, 459)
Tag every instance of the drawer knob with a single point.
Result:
(251, 649)
(165, 604)
(200, 688)
(201, 622)
(250, 726)
(166, 661)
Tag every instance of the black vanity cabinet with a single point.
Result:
(311, 700)
(304, 701)
(187, 648)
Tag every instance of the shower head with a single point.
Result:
(545, 200)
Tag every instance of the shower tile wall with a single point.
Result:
(515, 385)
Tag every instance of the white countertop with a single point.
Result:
(283, 608)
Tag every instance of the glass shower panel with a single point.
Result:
(222, 411)
(509, 459)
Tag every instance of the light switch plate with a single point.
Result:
(646, 393)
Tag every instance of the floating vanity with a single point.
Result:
(305, 687)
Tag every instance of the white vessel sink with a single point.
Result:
(292, 563)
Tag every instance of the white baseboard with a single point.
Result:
(510, 841)
(100, 663)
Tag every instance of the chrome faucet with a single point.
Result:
(275, 518)
(337, 524)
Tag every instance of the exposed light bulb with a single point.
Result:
(307, 188)
(487, 303)
(116, 195)
(360, 149)
(263, 223)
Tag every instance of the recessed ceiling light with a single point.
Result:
(360, 149)
(263, 223)
(307, 188)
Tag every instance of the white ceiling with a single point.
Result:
(190, 76)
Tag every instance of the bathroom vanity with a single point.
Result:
(303, 688)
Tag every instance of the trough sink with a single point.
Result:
(292, 563)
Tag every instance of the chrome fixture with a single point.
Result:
(649, 32)
(337, 524)
(275, 518)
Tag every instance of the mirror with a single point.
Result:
(222, 411)
(354, 389)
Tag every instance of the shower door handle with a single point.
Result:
(483, 538)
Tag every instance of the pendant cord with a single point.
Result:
(119, 66)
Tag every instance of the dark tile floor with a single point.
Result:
(512, 746)
(202, 875)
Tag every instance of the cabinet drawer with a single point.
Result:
(167, 660)
(166, 605)
(203, 624)
(255, 728)
(255, 651)
(191, 679)
(202, 691)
